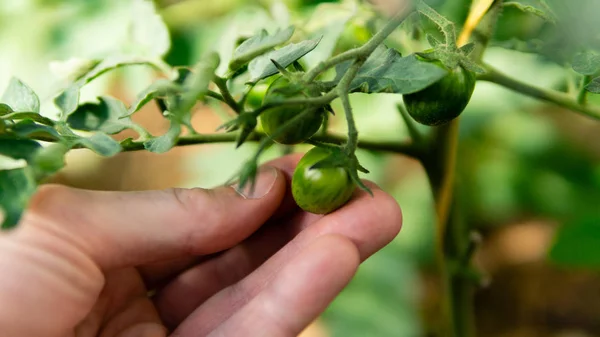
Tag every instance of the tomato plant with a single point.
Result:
(484, 112)
(444, 100)
(320, 190)
(274, 118)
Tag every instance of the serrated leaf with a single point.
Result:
(67, 101)
(101, 144)
(258, 45)
(108, 116)
(20, 97)
(165, 142)
(29, 129)
(160, 88)
(148, 30)
(586, 63)
(16, 188)
(386, 71)
(538, 8)
(262, 66)
(578, 244)
(18, 148)
(594, 86)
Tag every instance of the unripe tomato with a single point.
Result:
(256, 96)
(272, 119)
(320, 190)
(444, 100)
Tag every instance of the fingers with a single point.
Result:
(120, 229)
(299, 293)
(369, 222)
(157, 273)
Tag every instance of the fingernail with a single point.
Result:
(264, 183)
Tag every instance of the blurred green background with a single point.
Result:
(529, 172)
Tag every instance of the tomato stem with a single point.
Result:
(552, 96)
(228, 99)
(360, 52)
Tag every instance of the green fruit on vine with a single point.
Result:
(444, 100)
(256, 96)
(274, 118)
(320, 190)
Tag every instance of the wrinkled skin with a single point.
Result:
(444, 100)
(320, 190)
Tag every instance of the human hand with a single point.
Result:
(82, 263)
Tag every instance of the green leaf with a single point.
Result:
(538, 8)
(21, 98)
(49, 160)
(148, 30)
(29, 129)
(16, 188)
(594, 86)
(165, 142)
(18, 148)
(386, 71)
(114, 62)
(196, 84)
(160, 88)
(262, 66)
(5, 109)
(29, 115)
(533, 46)
(108, 116)
(578, 244)
(586, 63)
(68, 100)
(72, 69)
(258, 45)
(101, 144)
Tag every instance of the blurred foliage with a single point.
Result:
(519, 158)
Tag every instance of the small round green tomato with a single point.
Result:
(320, 190)
(444, 100)
(272, 119)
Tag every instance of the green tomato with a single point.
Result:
(444, 100)
(272, 119)
(320, 190)
(256, 96)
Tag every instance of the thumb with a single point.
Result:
(120, 229)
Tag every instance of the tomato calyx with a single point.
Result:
(339, 158)
(246, 121)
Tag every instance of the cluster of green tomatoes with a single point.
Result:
(322, 190)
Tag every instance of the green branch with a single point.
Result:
(555, 97)
(360, 52)
(227, 98)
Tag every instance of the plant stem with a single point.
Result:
(222, 85)
(343, 89)
(558, 98)
(582, 96)
(405, 148)
(440, 165)
(362, 51)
